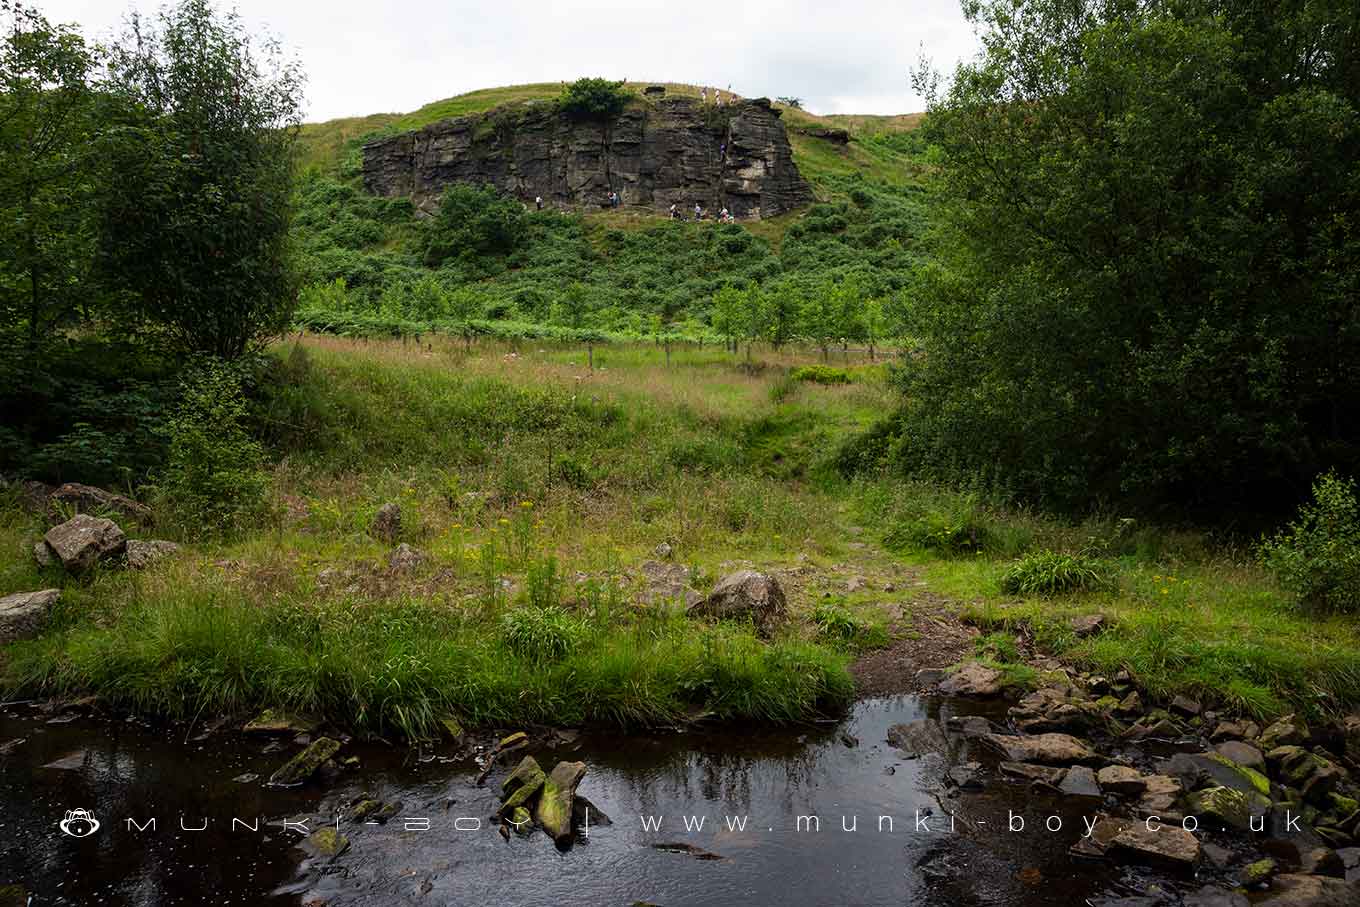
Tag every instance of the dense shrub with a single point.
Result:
(821, 374)
(213, 481)
(1318, 555)
(594, 98)
(1053, 573)
(473, 222)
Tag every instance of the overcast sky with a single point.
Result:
(840, 56)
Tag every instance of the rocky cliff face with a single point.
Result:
(655, 153)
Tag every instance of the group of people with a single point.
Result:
(724, 216)
(717, 95)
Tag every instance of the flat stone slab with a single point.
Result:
(1045, 749)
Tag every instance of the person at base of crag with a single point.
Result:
(538, 202)
(698, 212)
(675, 211)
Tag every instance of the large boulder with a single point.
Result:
(82, 541)
(668, 583)
(1233, 808)
(521, 785)
(972, 679)
(1167, 846)
(90, 500)
(1045, 749)
(23, 615)
(746, 594)
(553, 812)
(1288, 731)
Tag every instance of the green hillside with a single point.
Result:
(627, 273)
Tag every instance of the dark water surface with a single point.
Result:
(122, 770)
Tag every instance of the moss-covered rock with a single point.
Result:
(1258, 872)
(521, 785)
(304, 764)
(553, 812)
(13, 896)
(521, 821)
(326, 843)
(1234, 808)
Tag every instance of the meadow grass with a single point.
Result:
(536, 486)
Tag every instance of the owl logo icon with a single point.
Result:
(79, 823)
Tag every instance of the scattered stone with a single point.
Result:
(854, 584)
(1184, 705)
(1160, 796)
(1315, 776)
(1050, 709)
(969, 725)
(1212, 896)
(1152, 727)
(1079, 781)
(1322, 861)
(363, 809)
(916, 738)
(82, 541)
(272, 721)
(246, 778)
(1243, 754)
(1087, 625)
(965, 776)
(1046, 749)
(306, 763)
(1288, 731)
(387, 523)
(1041, 773)
(1235, 730)
(43, 555)
(663, 552)
(586, 813)
(1168, 846)
(1220, 857)
(929, 677)
(521, 785)
(745, 594)
(1130, 706)
(1350, 732)
(1097, 844)
(1235, 808)
(553, 811)
(142, 554)
(1296, 890)
(88, 499)
(668, 582)
(1121, 780)
(453, 728)
(325, 843)
(24, 614)
(405, 559)
(972, 679)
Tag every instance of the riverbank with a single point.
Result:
(555, 520)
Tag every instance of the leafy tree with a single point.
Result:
(473, 222)
(821, 316)
(594, 99)
(874, 323)
(1148, 263)
(781, 310)
(47, 121)
(196, 199)
(728, 314)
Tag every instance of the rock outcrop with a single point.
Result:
(657, 152)
(23, 615)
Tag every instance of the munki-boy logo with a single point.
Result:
(79, 823)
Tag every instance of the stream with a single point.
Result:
(747, 785)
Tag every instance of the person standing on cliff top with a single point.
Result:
(703, 95)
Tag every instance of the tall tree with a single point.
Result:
(1147, 277)
(196, 206)
(47, 121)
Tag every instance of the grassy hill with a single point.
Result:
(631, 272)
(872, 151)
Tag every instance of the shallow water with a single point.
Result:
(122, 770)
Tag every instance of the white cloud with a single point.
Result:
(852, 56)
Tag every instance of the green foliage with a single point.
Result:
(594, 99)
(1317, 556)
(213, 482)
(473, 222)
(541, 633)
(48, 115)
(837, 626)
(1145, 271)
(1053, 573)
(821, 374)
(195, 201)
